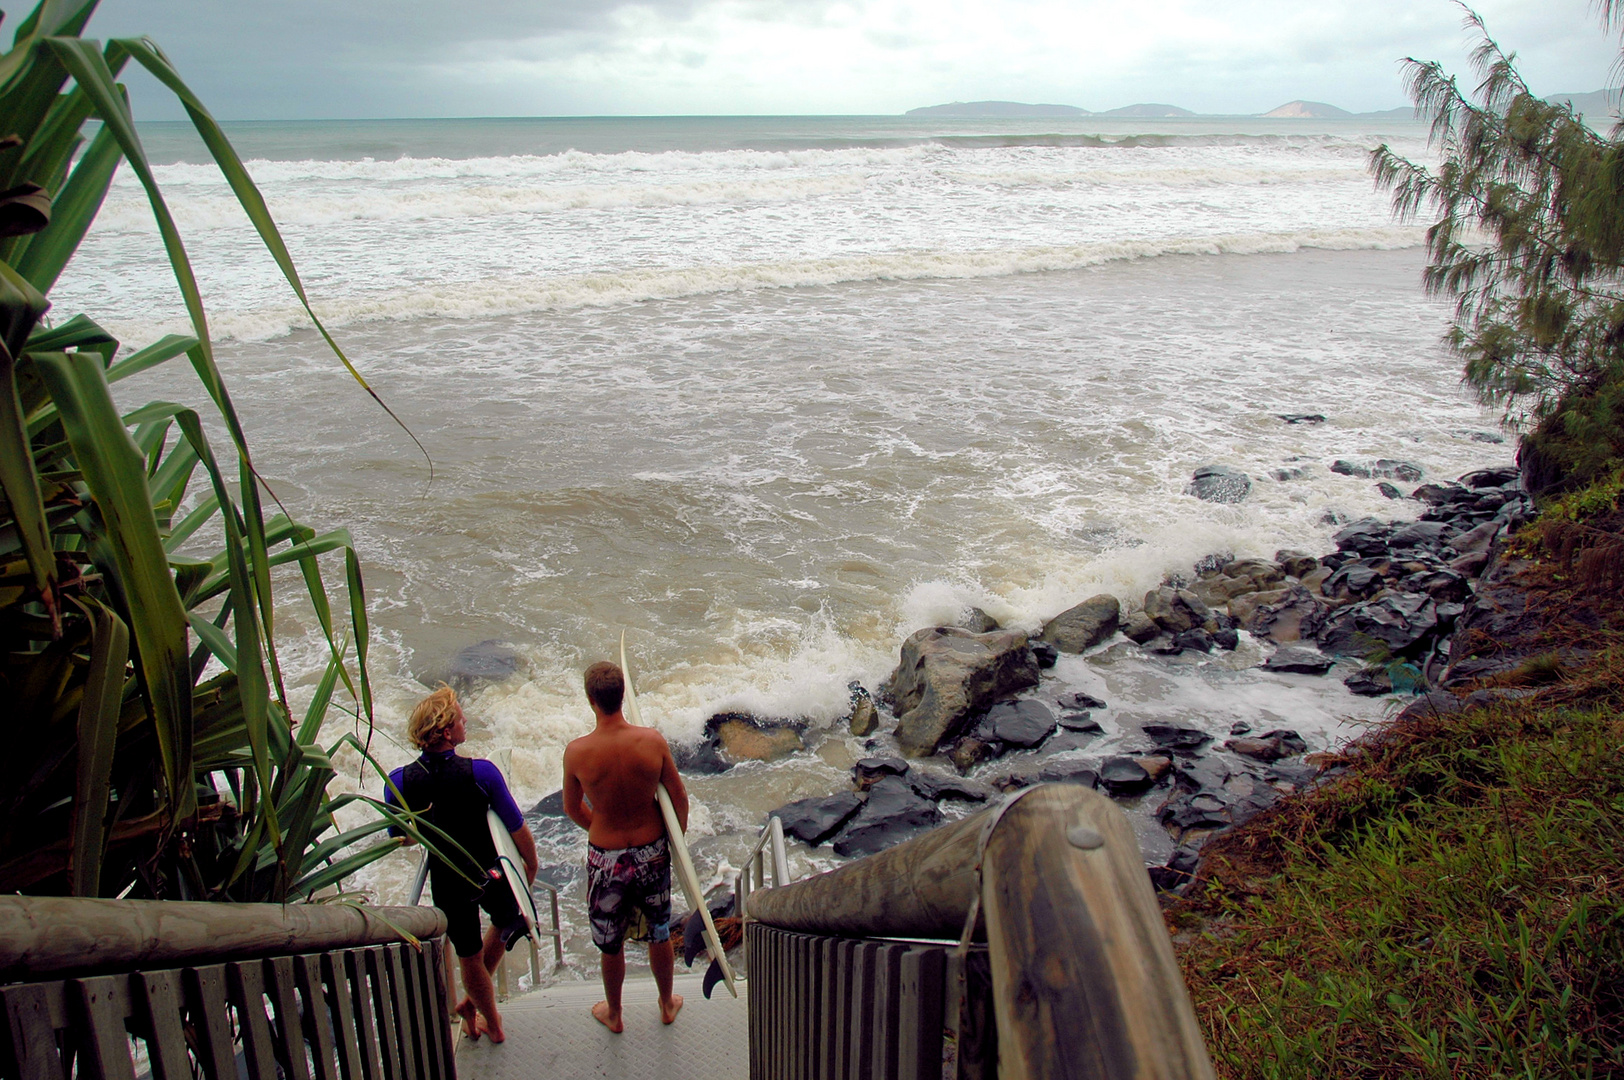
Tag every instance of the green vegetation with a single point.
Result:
(1529, 241)
(153, 747)
(1453, 905)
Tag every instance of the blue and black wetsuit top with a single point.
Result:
(453, 793)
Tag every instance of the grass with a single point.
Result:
(1453, 906)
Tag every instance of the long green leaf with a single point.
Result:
(165, 348)
(338, 871)
(250, 673)
(98, 734)
(115, 472)
(21, 484)
(149, 56)
(72, 211)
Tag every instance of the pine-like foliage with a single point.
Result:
(1529, 238)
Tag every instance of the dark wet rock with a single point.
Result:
(1019, 724)
(1139, 628)
(978, 622)
(970, 751)
(1297, 564)
(1197, 640)
(1045, 654)
(550, 805)
(1070, 740)
(1174, 737)
(1219, 484)
(1369, 682)
(1270, 746)
(1444, 586)
(1176, 610)
(1298, 662)
(1353, 581)
(1227, 639)
(1476, 539)
(1295, 617)
(1301, 418)
(1470, 565)
(812, 821)
(870, 770)
(1198, 810)
(864, 717)
(1252, 803)
(1388, 491)
(1351, 468)
(1244, 609)
(1164, 645)
(1240, 727)
(1068, 772)
(1488, 437)
(1438, 494)
(1367, 536)
(892, 814)
(1080, 700)
(1299, 774)
(1397, 621)
(936, 787)
(1123, 776)
(743, 737)
(1201, 774)
(1287, 473)
(1084, 626)
(948, 674)
(1208, 565)
(1429, 535)
(703, 758)
(1406, 471)
(476, 665)
(1080, 722)
(1487, 478)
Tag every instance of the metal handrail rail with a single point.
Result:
(771, 841)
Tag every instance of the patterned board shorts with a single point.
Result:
(625, 884)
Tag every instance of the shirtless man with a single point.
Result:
(609, 781)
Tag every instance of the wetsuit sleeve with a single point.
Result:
(389, 796)
(489, 779)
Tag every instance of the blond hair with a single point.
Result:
(432, 718)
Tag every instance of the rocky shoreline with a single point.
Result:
(1395, 595)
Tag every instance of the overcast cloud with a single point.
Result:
(254, 59)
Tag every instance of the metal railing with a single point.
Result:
(102, 989)
(754, 875)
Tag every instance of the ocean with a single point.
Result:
(769, 394)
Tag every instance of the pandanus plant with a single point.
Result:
(151, 746)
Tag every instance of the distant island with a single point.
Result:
(996, 108)
(1598, 105)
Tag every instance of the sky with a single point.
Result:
(308, 59)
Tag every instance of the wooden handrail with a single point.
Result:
(53, 936)
(1084, 979)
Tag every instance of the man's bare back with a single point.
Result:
(609, 781)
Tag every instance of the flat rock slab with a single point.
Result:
(812, 821)
(1299, 662)
(551, 1033)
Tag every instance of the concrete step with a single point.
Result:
(551, 1036)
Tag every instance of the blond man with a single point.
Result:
(453, 793)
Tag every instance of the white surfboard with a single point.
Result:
(681, 861)
(507, 855)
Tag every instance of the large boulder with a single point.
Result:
(812, 821)
(1219, 484)
(1176, 610)
(743, 737)
(892, 814)
(864, 717)
(1084, 626)
(1396, 620)
(1295, 617)
(477, 665)
(948, 675)
(1020, 725)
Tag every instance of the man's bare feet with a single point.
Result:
(669, 1012)
(494, 1030)
(470, 1019)
(612, 1021)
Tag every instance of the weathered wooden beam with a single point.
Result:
(54, 935)
(1084, 980)
(1085, 984)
